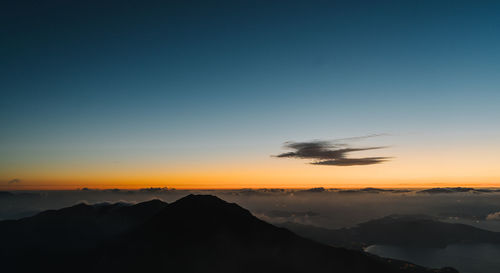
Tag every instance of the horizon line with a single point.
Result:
(59, 188)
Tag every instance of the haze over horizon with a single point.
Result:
(245, 94)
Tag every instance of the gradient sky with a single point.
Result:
(200, 94)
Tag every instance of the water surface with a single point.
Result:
(466, 258)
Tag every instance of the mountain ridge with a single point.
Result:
(202, 233)
(398, 230)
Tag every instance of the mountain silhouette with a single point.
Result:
(197, 233)
(47, 237)
(5, 194)
(398, 230)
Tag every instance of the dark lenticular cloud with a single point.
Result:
(330, 153)
(352, 161)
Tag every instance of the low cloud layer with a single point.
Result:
(330, 153)
(324, 207)
(493, 216)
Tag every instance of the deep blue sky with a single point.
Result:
(204, 81)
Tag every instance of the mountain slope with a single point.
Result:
(400, 230)
(52, 235)
(206, 234)
(197, 233)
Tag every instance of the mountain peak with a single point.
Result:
(197, 233)
(152, 202)
(202, 209)
(201, 199)
(201, 204)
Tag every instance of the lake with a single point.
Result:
(466, 258)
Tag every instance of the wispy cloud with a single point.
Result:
(333, 153)
(14, 181)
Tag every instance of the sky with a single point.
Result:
(208, 94)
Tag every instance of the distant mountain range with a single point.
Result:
(397, 230)
(197, 233)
